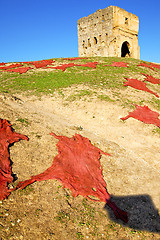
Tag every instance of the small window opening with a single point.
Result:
(95, 40)
(106, 37)
(103, 18)
(125, 50)
(89, 42)
(83, 43)
(126, 20)
(100, 38)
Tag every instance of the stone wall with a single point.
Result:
(109, 32)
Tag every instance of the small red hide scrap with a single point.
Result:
(63, 66)
(137, 84)
(89, 64)
(7, 137)
(155, 65)
(2, 63)
(78, 168)
(119, 64)
(11, 66)
(144, 114)
(151, 79)
(145, 65)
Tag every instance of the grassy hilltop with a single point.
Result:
(85, 96)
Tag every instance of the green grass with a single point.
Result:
(23, 121)
(79, 95)
(103, 77)
(105, 98)
(47, 81)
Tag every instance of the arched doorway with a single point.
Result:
(125, 49)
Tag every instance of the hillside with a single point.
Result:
(68, 96)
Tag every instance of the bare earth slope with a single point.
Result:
(45, 210)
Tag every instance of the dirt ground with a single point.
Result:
(44, 210)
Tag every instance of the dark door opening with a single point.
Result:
(125, 49)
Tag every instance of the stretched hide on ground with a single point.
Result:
(63, 66)
(89, 64)
(137, 84)
(144, 114)
(151, 79)
(18, 70)
(155, 65)
(78, 168)
(11, 66)
(118, 64)
(42, 63)
(7, 137)
(145, 65)
(67, 65)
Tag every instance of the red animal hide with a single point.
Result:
(18, 70)
(29, 62)
(11, 66)
(42, 63)
(118, 64)
(63, 66)
(144, 114)
(137, 84)
(155, 65)
(89, 64)
(7, 137)
(151, 79)
(145, 65)
(2, 63)
(78, 168)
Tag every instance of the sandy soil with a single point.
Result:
(45, 210)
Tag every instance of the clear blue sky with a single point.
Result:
(42, 29)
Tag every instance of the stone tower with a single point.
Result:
(109, 32)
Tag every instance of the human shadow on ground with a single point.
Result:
(142, 213)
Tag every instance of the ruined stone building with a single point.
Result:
(109, 32)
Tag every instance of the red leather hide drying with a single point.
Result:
(88, 64)
(42, 63)
(64, 66)
(78, 168)
(18, 70)
(145, 65)
(7, 137)
(151, 79)
(137, 84)
(144, 114)
(11, 66)
(155, 65)
(118, 64)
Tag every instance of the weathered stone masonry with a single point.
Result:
(109, 32)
